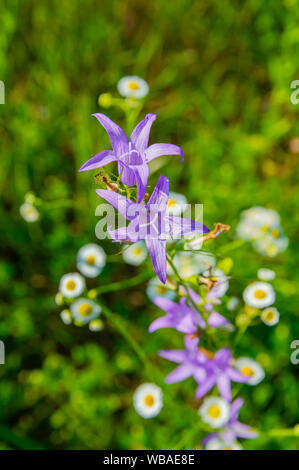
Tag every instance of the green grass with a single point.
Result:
(219, 76)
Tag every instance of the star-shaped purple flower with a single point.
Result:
(183, 317)
(207, 372)
(233, 428)
(191, 359)
(149, 222)
(221, 373)
(132, 156)
(178, 315)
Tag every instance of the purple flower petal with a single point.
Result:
(157, 251)
(121, 203)
(180, 226)
(141, 173)
(165, 304)
(160, 194)
(173, 355)
(181, 372)
(209, 437)
(237, 376)
(228, 436)
(194, 296)
(162, 322)
(223, 384)
(191, 344)
(235, 408)
(101, 159)
(223, 355)
(205, 386)
(186, 325)
(128, 176)
(216, 320)
(244, 431)
(140, 134)
(118, 138)
(158, 150)
(200, 375)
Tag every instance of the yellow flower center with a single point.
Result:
(272, 250)
(269, 316)
(91, 259)
(214, 411)
(70, 285)
(171, 202)
(85, 310)
(161, 289)
(275, 233)
(246, 370)
(227, 448)
(133, 86)
(149, 400)
(29, 211)
(137, 251)
(260, 294)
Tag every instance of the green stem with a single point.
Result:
(119, 324)
(116, 286)
(181, 281)
(280, 433)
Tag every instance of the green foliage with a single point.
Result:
(219, 76)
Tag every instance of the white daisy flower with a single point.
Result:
(232, 303)
(148, 400)
(246, 231)
(270, 316)
(91, 259)
(221, 278)
(71, 285)
(156, 288)
(266, 247)
(251, 369)
(177, 204)
(85, 310)
(261, 216)
(265, 274)
(66, 317)
(270, 246)
(214, 411)
(259, 294)
(218, 444)
(132, 87)
(135, 254)
(96, 325)
(29, 212)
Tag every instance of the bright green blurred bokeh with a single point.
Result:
(219, 75)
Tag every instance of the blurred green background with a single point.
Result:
(219, 76)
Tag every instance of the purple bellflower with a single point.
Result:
(183, 317)
(220, 372)
(132, 156)
(233, 428)
(191, 360)
(149, 222)
(207, 372)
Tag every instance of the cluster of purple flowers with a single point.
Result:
(148, 221)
